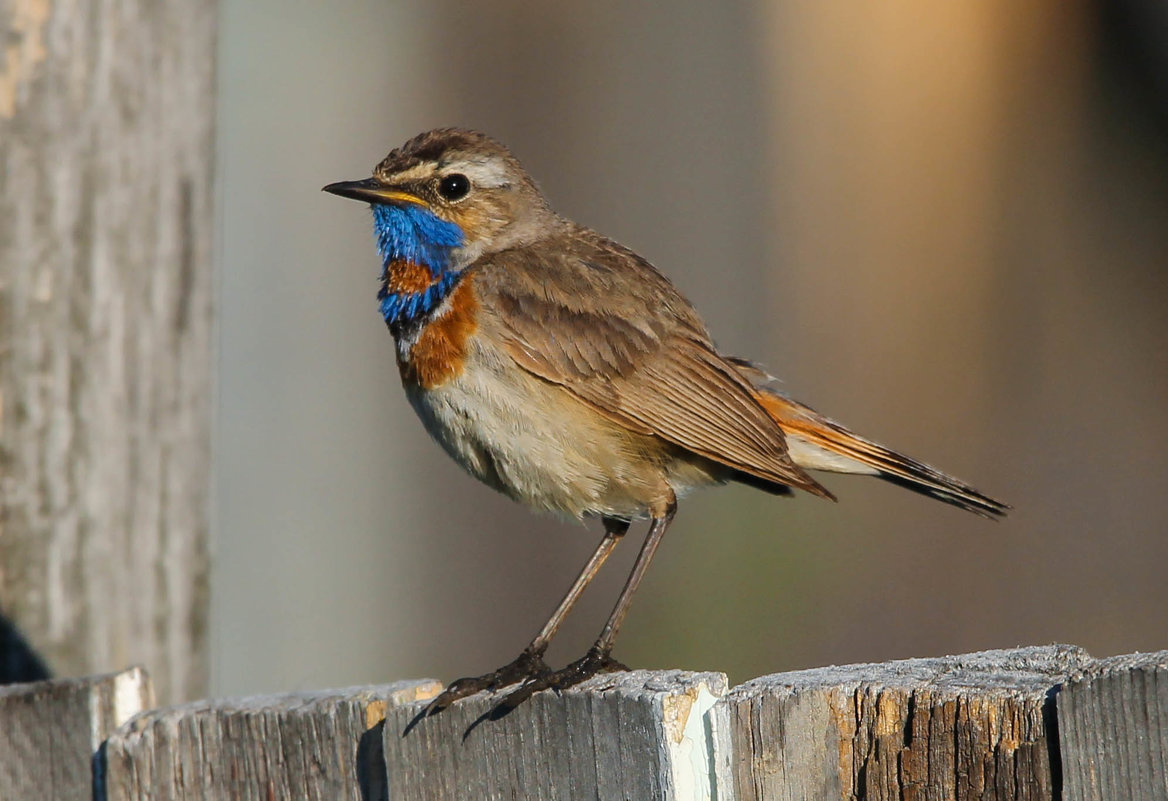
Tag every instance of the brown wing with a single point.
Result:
(591, 316)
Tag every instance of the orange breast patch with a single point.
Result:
(440, 352)
(407, 277)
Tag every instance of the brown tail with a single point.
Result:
(817, 443)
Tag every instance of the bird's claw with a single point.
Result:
(591, 664)
(528, 665)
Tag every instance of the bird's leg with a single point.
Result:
(530, 664)
(599, 657)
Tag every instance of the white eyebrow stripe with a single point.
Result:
(489, 172)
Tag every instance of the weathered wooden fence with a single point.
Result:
(1029, 723)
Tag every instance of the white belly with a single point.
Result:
(537, 444)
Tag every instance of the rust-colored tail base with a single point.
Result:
(818, 443)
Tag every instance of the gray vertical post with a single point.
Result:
(1113, 725)
(106, 145)
(50, 730)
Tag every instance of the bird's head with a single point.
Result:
(447, 197)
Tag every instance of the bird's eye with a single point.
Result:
(454, 186)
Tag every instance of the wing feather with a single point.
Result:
(596, 319)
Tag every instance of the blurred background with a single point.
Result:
(943, 224)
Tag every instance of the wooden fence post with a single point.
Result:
(639, 735)
(106, 140)
(965, 727)
(322, 745)
(49, 731)
(1113, 722)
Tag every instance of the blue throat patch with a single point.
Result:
(402, 307)
(414, 234)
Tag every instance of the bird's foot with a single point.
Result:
(528, 665)
(591, 664)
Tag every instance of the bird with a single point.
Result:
(568, 373)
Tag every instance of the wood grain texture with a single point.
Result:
(106, 145)
(959, 727)
(49, 731)
(321, 745)
(639, 735)
(1113, 724)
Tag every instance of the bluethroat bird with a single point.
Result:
(566, 372)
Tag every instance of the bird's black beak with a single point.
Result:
(371, 190)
